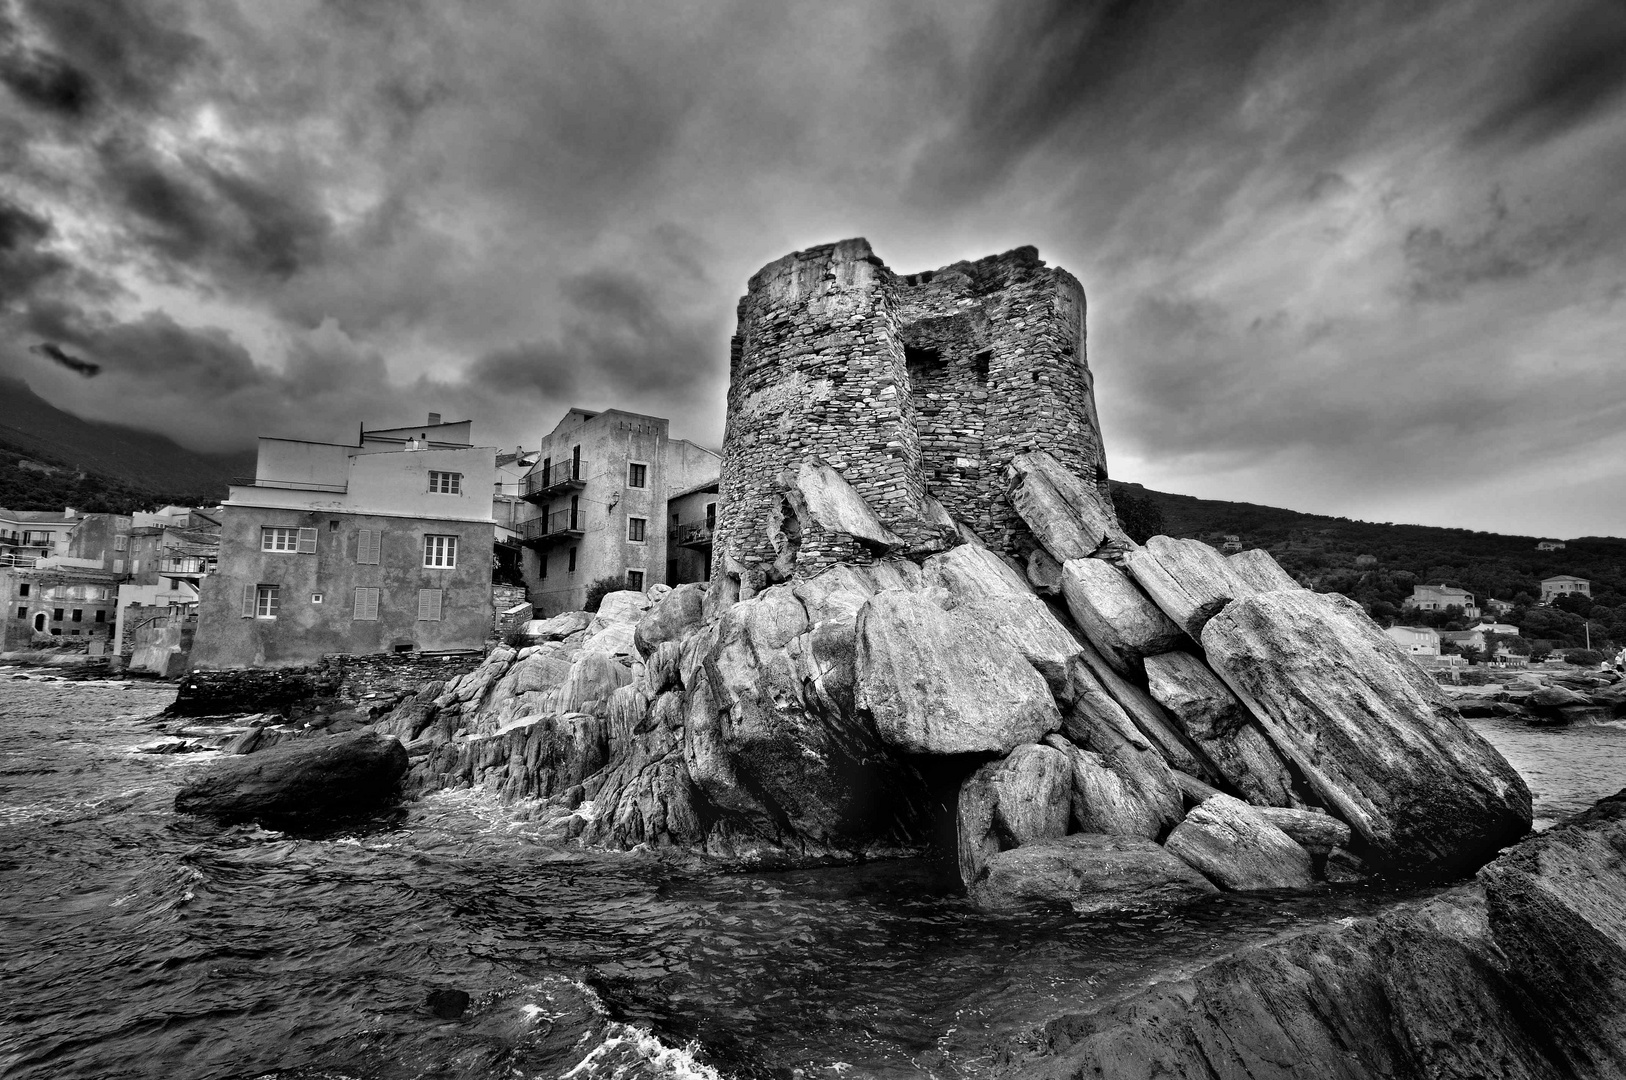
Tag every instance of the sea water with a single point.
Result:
(142, 943)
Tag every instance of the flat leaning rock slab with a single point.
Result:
(1234, 846)
(1371, 732)
(1091, 873)
(311, 780)
(1118, 618)
(1189, 580)
(1068, 515)
(1261, 571)
(938, 682)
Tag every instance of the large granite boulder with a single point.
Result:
(1090, 873)
(1223, 733)
(675, 613)
(938, 682)
(1070, 516)
(1235, 847)
(1110, 802)
(309, 782)
(1189, 580)
(1371, 732)
(1116, 616)
(1025, 797)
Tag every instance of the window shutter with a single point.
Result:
(366, 604)
(307, 541)
(248, 601)
(368, 542)
(429, 605)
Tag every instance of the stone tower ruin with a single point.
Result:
(918, 389)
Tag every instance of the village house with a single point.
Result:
(1564, 585)
(28, 535)
(382, 546)
(1550, 545)
(1440, 597)
(1417, 640)
(601, 486)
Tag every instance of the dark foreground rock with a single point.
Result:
(1521, 974)
(310, 781)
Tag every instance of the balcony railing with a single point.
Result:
(181, 566)
(557, 525)
(288, 485)
(566, 474)
(696, 533)
(18, 561)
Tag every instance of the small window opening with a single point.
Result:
(919, 359)
(984, 361)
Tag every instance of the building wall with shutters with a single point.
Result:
(368, 570)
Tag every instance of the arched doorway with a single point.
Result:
(39, 622)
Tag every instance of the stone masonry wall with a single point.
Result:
(914, 387)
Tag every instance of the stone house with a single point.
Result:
(1564, 585)
(600, 488)
(62, 601)
(378, 547)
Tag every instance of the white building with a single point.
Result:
(1440, 597)
(1417, 640)
(1564, 585)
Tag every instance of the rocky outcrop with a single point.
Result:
(310, 782)
(1089, 873)
(1372, 734)
(1518, 976)
(1237, 848)
(1118, 618)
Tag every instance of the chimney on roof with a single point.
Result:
(434, 418)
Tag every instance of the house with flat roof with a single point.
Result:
(601, 488)
(1416, 640)
(384, 545)
(1564, 585)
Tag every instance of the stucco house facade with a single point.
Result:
(1416, 640)
(384, 546)
(1440, 597)
(1564, 585)
(600, 488)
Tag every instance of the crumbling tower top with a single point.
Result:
(919, 389)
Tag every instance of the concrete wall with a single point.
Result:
(96, 537)
(295, 461)
(304, 629)
(394, 482)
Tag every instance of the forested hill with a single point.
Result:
(1328, 553)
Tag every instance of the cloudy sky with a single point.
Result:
(1359, 258)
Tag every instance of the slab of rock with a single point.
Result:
(1068, 515)
(1316, 833)
(558, 627)
(1088, 872)
(1116, 616)
(309, 781)
(1225, 735)
(677, 612)
(821, 496)
(1044, 572)
(1108, 802)
(969, 572)
(937, 682)
(624, 606)
(1260, 571)
(1370, 731)
(1004, 804)
(1236, 848)
(1188, 579)
(1151, 719)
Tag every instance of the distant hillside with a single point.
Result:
(138, 460)
(1378, 563)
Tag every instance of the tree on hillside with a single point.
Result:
(1140, 518)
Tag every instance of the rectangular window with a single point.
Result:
(78, 614)
(22, 590)
(446, 483)
(571, 564)
(118, 566)
(440, 552)
(429, 605)
(22, 613)
(267, 599)
(636, 474)
(711, 515)
(56, 615)
(101, 616)
(174, 584)
(635, 580)
(366, 609)
(635, 530)
(316, 598)
(369, 542)
(121, 542)
(286, 539)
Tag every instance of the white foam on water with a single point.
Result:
(626, 1051)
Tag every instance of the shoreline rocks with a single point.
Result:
(310, 782)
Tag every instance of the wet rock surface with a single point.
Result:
(312, 782)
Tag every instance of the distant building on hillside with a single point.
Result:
(1463, 639)
(1417, 640)
(1232, 545)
(1550, 545)
(1564, 585)
(383, 546)
(602, 485)
(1365, 562)
(1440, 597)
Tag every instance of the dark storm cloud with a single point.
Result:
(25, 264)
(131, 51)
(1573, 72)
(57, 355)
(45, 81)
(1440, 266)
